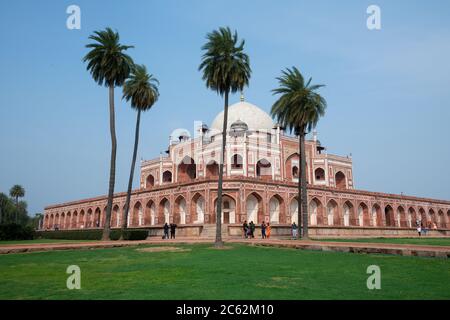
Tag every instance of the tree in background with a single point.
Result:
(16, 192)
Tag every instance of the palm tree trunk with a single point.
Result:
(17, 209)
(219, 242)
(302, 184)
(130, 180)
(112, 170)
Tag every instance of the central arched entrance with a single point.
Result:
(228, 209)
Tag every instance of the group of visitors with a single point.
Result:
(249, 230)
(172, 227)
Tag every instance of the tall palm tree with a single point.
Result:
(226, 69)
(142, 89)
(298, 109)
(109, 66)
(16, 192)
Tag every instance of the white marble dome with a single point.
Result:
(254, 117)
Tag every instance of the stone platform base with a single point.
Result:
(235, 230)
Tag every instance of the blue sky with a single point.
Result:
(388, 91)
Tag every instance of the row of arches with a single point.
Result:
(277, 210)
(187, 170)
(375, 216)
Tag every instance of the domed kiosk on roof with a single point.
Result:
(254, 117)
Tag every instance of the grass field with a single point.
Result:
(242, 272)
(423, 241)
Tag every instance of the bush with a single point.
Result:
(12, 231)
(130, 234)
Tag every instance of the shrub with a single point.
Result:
(12, 231)
(130, 234)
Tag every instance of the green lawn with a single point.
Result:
(242, 272)
(12, 242)
(424, 240)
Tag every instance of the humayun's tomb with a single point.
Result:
(261, 171)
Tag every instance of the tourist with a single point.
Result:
(173, 226)
(419, 230)
(268, 229)
(252, 229)
(245, 227)
(294, 229)
(434, 226)
(263, 230)
(166, 231)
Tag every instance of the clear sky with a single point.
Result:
(388, 90)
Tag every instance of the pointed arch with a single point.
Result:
(376, 215)
(340, 180)
(254, 208)
(236, 161)
(228, 209)
(315, 212)
(198, 204)
(167, 176)
(440, 219)
(149, 181)
(363, 215)
(293, 211)
(179, 215)
(411, 218)
(349, 216)
(212, 169)
(137, 218)
(401, 219)
(319, 174)
(332, 213)
(277, 211)
(389, 216)
(150, 213)
(264, 169)
(186, 170)
(164, 211)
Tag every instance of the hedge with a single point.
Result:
(130, 234)
(13, 231)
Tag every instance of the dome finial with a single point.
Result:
(242, 96)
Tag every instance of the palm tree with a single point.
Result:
(109, 66)
(226, 68)
(298, 109)
(142, 89)
(16, 192)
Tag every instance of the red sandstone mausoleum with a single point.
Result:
(261, 171)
